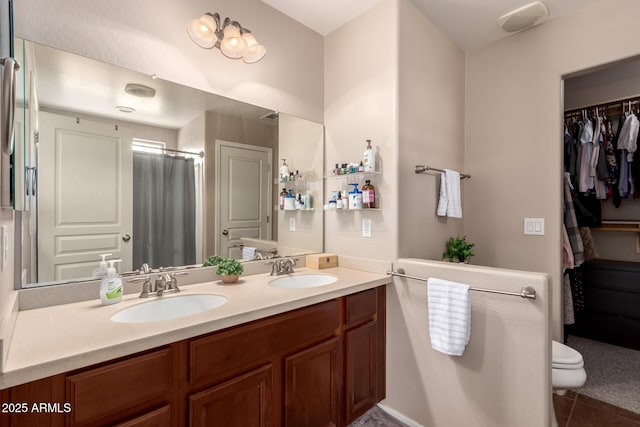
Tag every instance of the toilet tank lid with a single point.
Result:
(565, 355)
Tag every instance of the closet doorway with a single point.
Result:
(601, 217)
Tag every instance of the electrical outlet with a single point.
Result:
(366, 227)
(534, 226)
(292, 223)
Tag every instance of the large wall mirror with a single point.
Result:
(111, 161)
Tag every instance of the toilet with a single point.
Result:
(567, 371)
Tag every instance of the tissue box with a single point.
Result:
(320, 261)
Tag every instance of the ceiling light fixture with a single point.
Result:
(230, 37)
(125, 109)
(142, 91)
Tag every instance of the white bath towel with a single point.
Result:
(450, 203)
(248, 253)
(449, 305)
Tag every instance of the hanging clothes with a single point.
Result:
(585, 179)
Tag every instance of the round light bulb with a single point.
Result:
(203, 31)
(233, 45)
(254, 52)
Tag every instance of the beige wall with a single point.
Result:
(301, 143)
(503, 379)
(431, 127)
(150, 37)
(513, 123)
(361, 91)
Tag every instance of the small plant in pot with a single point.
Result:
(458, 249)
(213, 260)
(229, 270)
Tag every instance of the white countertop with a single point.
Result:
(51, 340)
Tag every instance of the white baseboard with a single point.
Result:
(397, 415)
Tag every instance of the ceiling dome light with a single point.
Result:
(203, 31)
(254, 52)
(233, 45)
(523, 17)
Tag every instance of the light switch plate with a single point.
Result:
(366, 227)
(534, 226)
(292, 223)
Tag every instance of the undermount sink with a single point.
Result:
(303, 281)
(169, 307)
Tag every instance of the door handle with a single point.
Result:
(225, 232)
(7, 108)
(126, 237)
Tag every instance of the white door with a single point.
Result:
(84, 197)
(243, 185)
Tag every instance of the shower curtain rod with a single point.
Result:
(199, 154)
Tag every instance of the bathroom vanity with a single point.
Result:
(319, 361)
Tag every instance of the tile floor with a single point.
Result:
(578, 410)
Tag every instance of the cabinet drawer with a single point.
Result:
(115, 391)
(360, 308)
(222, 354)
(158, 418)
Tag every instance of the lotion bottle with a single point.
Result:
(111, 285)
(284, 171)
(369, 158)
(355, 198)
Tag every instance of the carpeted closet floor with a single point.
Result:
(613, 373)
(376, 417)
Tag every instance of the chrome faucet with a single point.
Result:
(282, 266)
(164, 283)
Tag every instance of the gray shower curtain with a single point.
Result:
(163, 210)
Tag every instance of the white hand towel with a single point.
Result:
(450, 203)
(449, 305)
(248, 253)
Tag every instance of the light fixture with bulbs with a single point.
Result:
(229, 36)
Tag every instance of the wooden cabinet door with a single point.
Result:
(244, 401)
(159, 418)
(312, 384)
(361, 369)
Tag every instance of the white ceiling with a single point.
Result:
(471, 24)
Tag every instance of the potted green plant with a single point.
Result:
(229, 270)
(213, 260)
(458, 249)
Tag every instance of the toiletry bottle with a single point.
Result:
(369, 158)
(361, 167)
(368, 195)
(101, 271)
(355, 198)
(307, 200)
(289, 202)
(336, 171)
(339, 201)
(111, 285)
(284, 171)
(283, 194)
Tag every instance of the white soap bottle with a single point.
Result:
(369, 158)
(111, 285)
(101, 271)
(284, 171)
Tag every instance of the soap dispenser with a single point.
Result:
(284, 171)
(101, 271)
(369, 158)
(111, 285)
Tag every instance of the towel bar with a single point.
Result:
(526, 292)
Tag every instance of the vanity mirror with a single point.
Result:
(121, 163)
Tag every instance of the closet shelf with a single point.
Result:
(625, 226)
